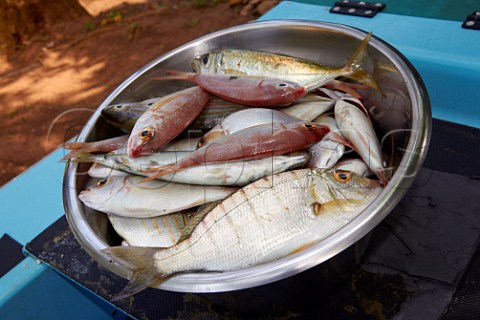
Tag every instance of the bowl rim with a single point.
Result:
(310, 257)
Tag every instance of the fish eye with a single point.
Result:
(342, 176)
(102, 182)
(118, 106)
(147, 133)
(308, 125)
(282, 84)
(205, 59)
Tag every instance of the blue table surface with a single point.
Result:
(446, 56)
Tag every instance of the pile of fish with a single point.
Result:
(271, 174)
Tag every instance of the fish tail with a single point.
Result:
(177, 75)
(79, 156)
(140, 261)
(76, 145)
(382, 176)
(350, 88)
(355, 65)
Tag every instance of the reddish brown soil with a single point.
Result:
(67, 70)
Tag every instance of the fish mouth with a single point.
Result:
(83, 194)
(301, 92)
(195, 64)
(134, 149)
(134, 152)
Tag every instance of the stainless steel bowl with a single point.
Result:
(401, 113)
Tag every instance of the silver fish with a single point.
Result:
(263, 222)
(123, 196)
(357, 128)
(326, 152)
(307, 73)
(238, 173)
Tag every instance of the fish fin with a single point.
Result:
(357, 103)
(196, 219)
(140, 261)
(333, 136)
(159, 172)
(78, 156)
(177, 75)
(210, 136)
(76, 145)
(350, 88)
(355, 65)
(335, 205)
(233, 71)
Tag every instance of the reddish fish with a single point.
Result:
(252, 143)
(248, 90)
(164, 120)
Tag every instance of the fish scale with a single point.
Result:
(280, 226)
(251, 227)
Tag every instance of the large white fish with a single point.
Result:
(124, 196)
(263, 222)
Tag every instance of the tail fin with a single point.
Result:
(159, 172)
(177, 75)
(75, 145)
(350, 88)
(79, 156)
(139, 260)
(355, 65)
(106, 145)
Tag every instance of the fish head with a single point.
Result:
(141, 141)
(344, 186)
(287, 88)
(120, 112)
(101, 192)
(206, 63)
(318, 130)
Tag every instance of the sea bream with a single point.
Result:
(262, 222)
(307, 73)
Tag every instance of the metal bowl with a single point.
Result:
(401, 113)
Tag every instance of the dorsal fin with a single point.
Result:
(196, 219)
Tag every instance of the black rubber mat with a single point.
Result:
(11, 254)
(417, 261)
